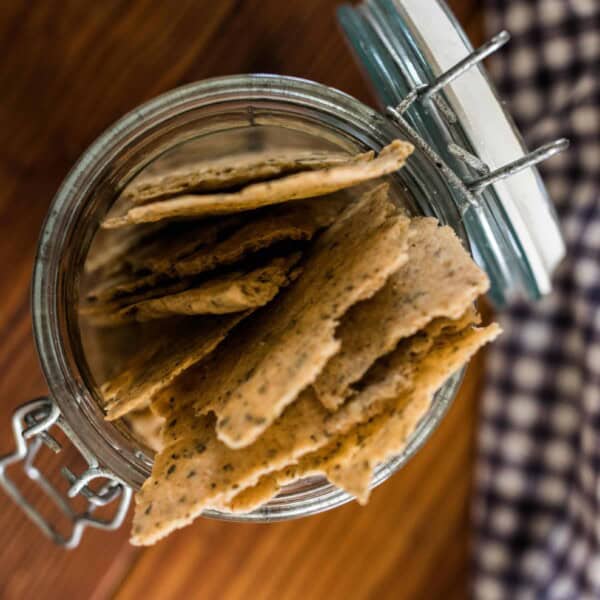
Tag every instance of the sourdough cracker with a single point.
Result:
(160, 362)
(179, 240)
(354, 472)
(439, 279)
(170, 270)
(214, 474)
(198, 470)
(282, 349)
(295, 221)
(231, 293)
(147, 427)
(349, 459)
(292, 187)
(228, 172)
(109, 247)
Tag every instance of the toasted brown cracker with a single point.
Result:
(248, 499)
(126, 287)
(227, 172)
(146, 426)
(449, 354)
(109, 247)
(219, 472)
(349, 459)
(234, 292)
(394, 372)
(439, 280)
(199, 470)
(179, 240)
(160, 362)
(296, 221)
(301, 185)
(282, 350)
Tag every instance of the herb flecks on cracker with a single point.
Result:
(162, 360)
(439, 279)
(282, 349)
(235, 292)
(227, 172)
(307, 184)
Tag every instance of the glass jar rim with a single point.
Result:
(67, 387)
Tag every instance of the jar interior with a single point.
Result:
(205, 131)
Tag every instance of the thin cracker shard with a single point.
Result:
(228, 172)
(439, 279)
(160, 362)
(146, 427)
(179, 240)
(109, 247)
(282, 350)
(386, 379)
(211, 474)
(292, 187)
(450, 353)
(348, 460)
(296, 221)
(231, 293)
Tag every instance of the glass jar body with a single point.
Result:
(242, 112)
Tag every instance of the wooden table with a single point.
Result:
(68, 70)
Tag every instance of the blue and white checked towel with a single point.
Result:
(537, 505)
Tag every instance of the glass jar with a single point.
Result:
(435, 182)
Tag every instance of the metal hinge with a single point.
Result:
(31, 424)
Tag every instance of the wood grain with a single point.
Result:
(68, 70)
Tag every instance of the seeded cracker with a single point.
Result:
(301, 185)
(295, 221)
(439, 280)
(146, 426)
(348, 460)
(384, 380)
(281, 351)
(160, 362)
(197, 466)
(178, 240)
(355, 472)
(234, 292)
(228, 172)
(109, 247)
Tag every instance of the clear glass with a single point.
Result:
(397, 59)
(232, 106)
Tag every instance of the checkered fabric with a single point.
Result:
(537, 504)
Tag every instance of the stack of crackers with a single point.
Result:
(293, 324)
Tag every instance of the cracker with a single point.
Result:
(439, 280)
(178, 240)
(301, 185)
(234, 292)
(211, 473)
(450, 353)
(296, 221)
(248, 499)
(283, 349)
(125, 287)
(147, 427)
(199, 470)
(227, 172)
(386, 379)
(349, 459)
(160, 362)
(109, 247)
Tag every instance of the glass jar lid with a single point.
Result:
(425, 71)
